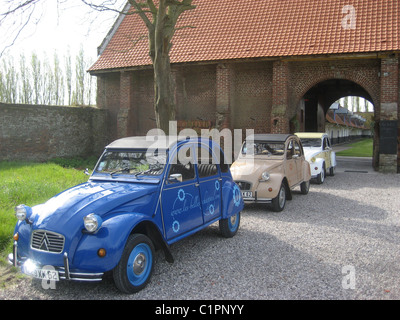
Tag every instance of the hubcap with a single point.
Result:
(139, 263)
(282, 197)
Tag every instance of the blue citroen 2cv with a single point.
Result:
(144, 194)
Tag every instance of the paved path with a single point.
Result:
(352, 164)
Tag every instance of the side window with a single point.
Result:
(297, 149)
(325, 144)
(182, 166)
(205, 164)
(328, 143)
(290, 150)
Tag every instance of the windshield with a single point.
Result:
(264, 148)
(311, 142)
(132, 163)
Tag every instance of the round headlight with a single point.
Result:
(21, 212)
(92, 222)
(265, 176)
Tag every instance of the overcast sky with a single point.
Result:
(57, 25)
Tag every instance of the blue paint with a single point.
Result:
(123, 201)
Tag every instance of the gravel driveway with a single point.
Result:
(341, 241)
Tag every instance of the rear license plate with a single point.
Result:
(247, 194)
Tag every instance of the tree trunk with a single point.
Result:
(164, 100)
(161, 30)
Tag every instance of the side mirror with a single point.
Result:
(175, 177)
(86, 172)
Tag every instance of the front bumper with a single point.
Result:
(256, 199)
(64, 272)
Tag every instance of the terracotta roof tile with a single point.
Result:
(239, 29)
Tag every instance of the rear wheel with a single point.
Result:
(305, 187)
(278, 203)
(134, 270)
(230, 226)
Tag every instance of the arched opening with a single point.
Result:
(337, 107)
(316, 102)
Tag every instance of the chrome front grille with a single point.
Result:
(47, 241)
(244, 185)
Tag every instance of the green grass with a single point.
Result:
(361, 148)
(30, 184)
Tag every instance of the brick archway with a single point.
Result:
(306, 75)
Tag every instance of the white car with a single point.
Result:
(318, 152)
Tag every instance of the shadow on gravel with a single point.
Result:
(252, 265)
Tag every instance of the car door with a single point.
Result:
(180, 198)
(299, 159)
(209, 183)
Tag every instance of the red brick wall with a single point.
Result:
(262, 95)
(306, 74)
(252, 96)
(196, 93)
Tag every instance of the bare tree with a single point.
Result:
(160, 21)
(26, 89)
(160, 18)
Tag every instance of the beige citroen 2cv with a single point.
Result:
(268, 167)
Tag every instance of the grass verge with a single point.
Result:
(362, 148)
(30, 184)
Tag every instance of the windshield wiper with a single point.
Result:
(128, 169)
(122, 170)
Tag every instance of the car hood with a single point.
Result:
(67, 209)
(244, 169)
(310, 152)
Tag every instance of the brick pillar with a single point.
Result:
(223, 91)
(125, 114)
(388, 124)
(279, 118)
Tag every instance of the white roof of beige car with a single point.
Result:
(269, 137)
(143, 142)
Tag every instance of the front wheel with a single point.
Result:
(278, 203)
(134, 270)
(229, 226)
(321, 176)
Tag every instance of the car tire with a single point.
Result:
(134, 270)
(321, 175)
(305, 187)
(229, 227)
(278, 203)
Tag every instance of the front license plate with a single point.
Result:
(45, 273)
(247, 194)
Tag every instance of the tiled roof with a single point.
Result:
(240, 29)
(342, 120)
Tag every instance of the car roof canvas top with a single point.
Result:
(269, 137)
